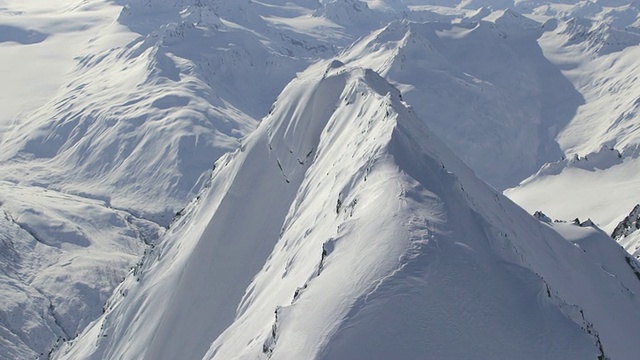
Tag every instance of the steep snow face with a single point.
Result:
(124, 122)
(137, 101)
(485, 87)
(342, 228)
(134, 103)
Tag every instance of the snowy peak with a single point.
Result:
(310, 106)
(317, 125)
(439, 66)
(169, 102)
(299, 117)
(343, 178)
(404, 173)
(339, 226)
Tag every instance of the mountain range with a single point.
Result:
(319, 179)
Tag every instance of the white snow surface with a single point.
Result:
(597, 176)
(61, 258)
(39, 41)
(514, 98)
(117, 112)
(343, 228)
(114, 112)
(140, 123)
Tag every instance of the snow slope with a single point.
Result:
(138, 98)
(131, 124)
(342, 228)
(61, 257)
(136, 102)
(485, 87)
(122, 124)
(597, 176)
(139, 123)
(39, 41)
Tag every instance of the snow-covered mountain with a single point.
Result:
(113, 113)
(131, 124)
(121, 132)
(598, 171)
(61, 257)
(513, 96)
(343, 228)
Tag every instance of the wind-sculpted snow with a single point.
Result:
(342, 228)
(136, 144)
(137, 125)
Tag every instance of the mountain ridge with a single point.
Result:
(138, 99)
(438, 219)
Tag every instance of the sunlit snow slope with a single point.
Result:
(61, 255)
(111, 117)
(342, 228)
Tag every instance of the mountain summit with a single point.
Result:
(343, 228)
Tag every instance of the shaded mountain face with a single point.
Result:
(343, 228)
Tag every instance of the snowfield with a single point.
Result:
(319, 179)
